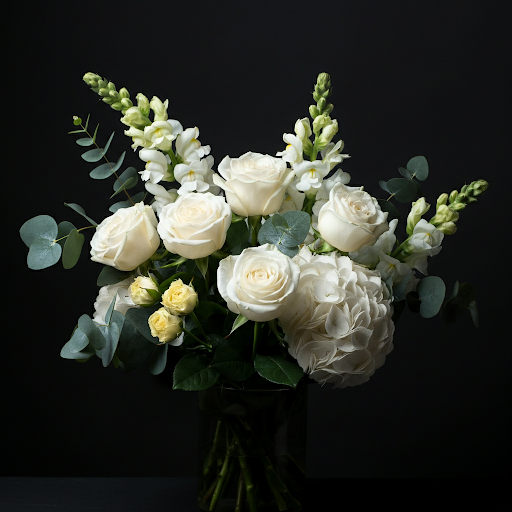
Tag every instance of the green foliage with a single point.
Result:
(231, 364)
(43, 253)
(158, 360)
(461, 300)
(133, 349)
(239, 321)
(278, 370)
(387, 206)
(72, 249)
(139, 319)
(406, 189)
(64, 228)
(431, 291)
(285, 231)
(81, 211)
(418, 167)
(237, 237)
(42, 226)
(403, 190)
(110, 275)
(128, 179)
(93, 333)
(137, 198)
(193, 373)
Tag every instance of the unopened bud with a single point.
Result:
(448, 228)
(456, 207)
(453, 195)
(328, 132)
(313, 111)
(115, 95)
(320, 122)
(126, 102)
(117, 105)
(111, 86)
(103, 92)
(108, 100)
(142, 103)
(124, 93)
(442, 200)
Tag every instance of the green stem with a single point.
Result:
(211, 458)
(207, 345)
(78, 230)
(396, 252)
(314, 149)
(199, 326)
(222, 476)
(255, 339)
(255, 223)
(172, 156)
(240, 494)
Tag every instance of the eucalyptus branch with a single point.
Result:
(78, 231)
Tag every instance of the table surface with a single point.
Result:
(63, 494)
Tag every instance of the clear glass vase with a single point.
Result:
(252, 449)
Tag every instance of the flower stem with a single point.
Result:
(207, 345)
(199, 326)
(222, 476)
(240, 494)
(255, 339)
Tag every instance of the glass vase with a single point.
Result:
(252, 449)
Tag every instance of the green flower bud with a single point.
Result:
(461, 198)
(316, 95)
(108, 100)
(320, 122)
(159, 108)
(111, 86)
(117, 105)
(328, 109)
(313, 111)
(115, 95)
(91, 79)
(444, 214)
(102, 84)
(124, 93)
(142, 103)
(134, 117)
(103, 92)
(307, 146)
(442, 199)
(418, 209)
(126, 102)
(328, 132)
(463, 189)
(322, 103)
(448, 228)
(77, 121)
(457, 206)
(453, 195)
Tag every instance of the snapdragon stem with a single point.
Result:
(396, 252)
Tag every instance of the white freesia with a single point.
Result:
(369, 254)
(162, 196)
(121, 292)
(310, 175)
(195, 225)
(259, 283)
(156, 165)
(162, 133)
(254, 184)
(188, 146)
(127, 238)
(331, 154)
(351, 218)
(193, 177)
(338, 324)
(293, 152)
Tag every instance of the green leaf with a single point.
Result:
(139, 319)
(43, 253)
(72, 249)
(387, 206)
(405, 172)
(463, 295)
(107, 145)
(42, 226)
(78, 341)
(298, 228)
(192, 373)
(278, 370)
(431, 291)
(64, 228)
(93, 155)
(237, 237)
(127, 179)
(83, 355)
(112, 333)
(108, 314)
(158, 360)
(81, 211)
(239, 321)
(76, 131)
(133, 349)
(91, 330)
(418, 166)
(110, 275)
(119, 162)
(474, 313)
(95, 132)
(129, 183)
(102, 172)
(85, 142)
(230, 364)
(402, 189)
(399, 290)
(384, 186)
(207, 308)
(202, 265)
(87, 122)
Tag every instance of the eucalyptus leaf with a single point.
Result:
(78, 341)
(418, 166)
(83, 355)
(81, 211)
(387, 206)
(43, 253)
(119, 162)
(108, 314)
(402, 189)
(111, 334)
(139, 319)
(42, 226)
(298, 228)
(95, 132)
(64, 228)
(431, 291)
(384, 186)
(72, 249)
(133, 349)
(463, 295)
(107, 145)
(102, 172)
(110, 275)
(87, 122)
(158, 360)
(129, 172)
(87, 141)
(192, 373)
(405, 172)
(91, 330)
(137, 198)
(399, 289)
(93, 155)
(278, 370)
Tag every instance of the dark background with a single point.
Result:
(409, 78)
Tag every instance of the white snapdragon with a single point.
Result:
(121, 292)
(293, 152)
(162, 133)
(162, 196)
(331, 154)
(138, 138)
(189, 148)
(310, 175)
(156, 165)
(193, 177)
(424, 242)
(391, 267)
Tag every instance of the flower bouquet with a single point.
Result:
(261, 277)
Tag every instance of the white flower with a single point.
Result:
(193, 177)
(162, 196)
(162, 133)
(195, 225)
(121, 291)
(138, 138)
(156, 165)
(338, 324)
(127, 238)
(424, 242)
(369, 254)
(258, 283)
(166, 327)
(293, 152)
(159, 108)
(254, 184)
(351, 218)
(331, 154)
(418, 209)
(303, 129)
(138, 290)
(189, 148)
(310, 175)
(391, 267)
(293, 199)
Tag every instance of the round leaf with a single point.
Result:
(387, 206)
(418, 166)
(43, 253)
(42, 226)
(404, 190)
(431, 291)
(158, 359)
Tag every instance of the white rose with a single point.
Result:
(166, 327)
(121, 291)
(139, 290)
(195, 225)
(351, 218)
(254, 183)
(338, 324)
(127, 238)
(258, 283)
(180, 298)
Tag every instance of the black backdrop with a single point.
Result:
(409, 78)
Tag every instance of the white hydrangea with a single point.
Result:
(338, 325)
